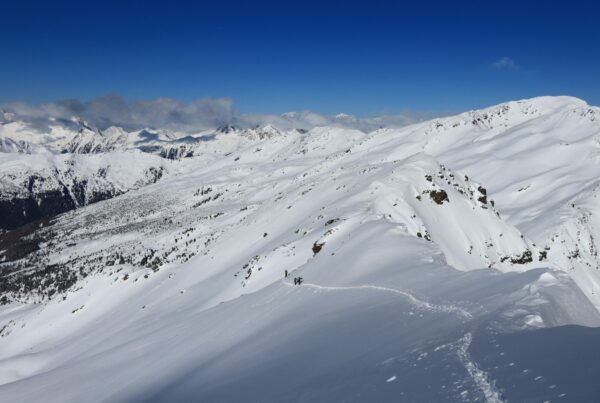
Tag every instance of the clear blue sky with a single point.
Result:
(363, 58)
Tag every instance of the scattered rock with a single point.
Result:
(316, 248)
(439, 196)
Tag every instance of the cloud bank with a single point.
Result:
(198, 115)
(113, 110)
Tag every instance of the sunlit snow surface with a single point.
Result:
(416, 287)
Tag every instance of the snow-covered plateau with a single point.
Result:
(449, 260)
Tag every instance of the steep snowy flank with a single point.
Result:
(44, 185)
(538, 160)
(413, 244)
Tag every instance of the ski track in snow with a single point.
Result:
(413, 300)
(479, 376)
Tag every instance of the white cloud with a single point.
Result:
(505, 63)
(113, 110)
(201, 114)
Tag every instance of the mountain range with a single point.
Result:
(454, 259)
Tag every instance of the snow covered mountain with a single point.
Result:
(76, 136)
(44, 185)
(432, 257)
(54, 169)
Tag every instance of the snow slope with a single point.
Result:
(413, 243)
(35, 186)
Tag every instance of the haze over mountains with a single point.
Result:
(141, 264)
(182, 117)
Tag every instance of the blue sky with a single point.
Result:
(364, 58)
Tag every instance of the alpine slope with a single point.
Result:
(453, 260)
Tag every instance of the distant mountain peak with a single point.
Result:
(227, 129)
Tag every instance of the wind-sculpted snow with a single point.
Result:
(411, 244)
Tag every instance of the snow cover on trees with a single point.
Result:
(413, 243)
